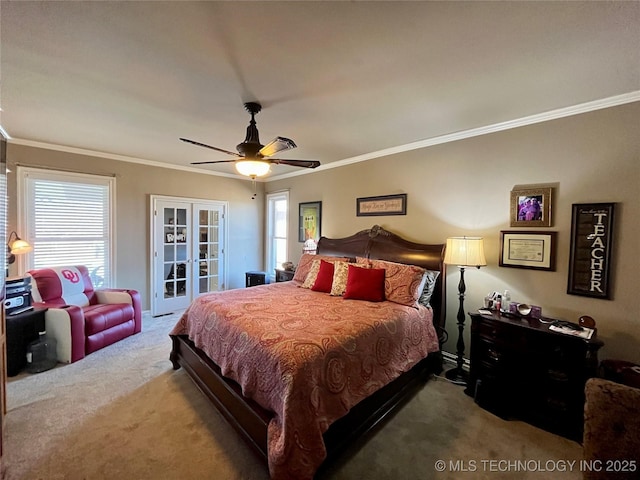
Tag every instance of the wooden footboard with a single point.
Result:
(251, 420)
(243, 414)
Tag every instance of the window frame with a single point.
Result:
(25, 209)
(270, 201)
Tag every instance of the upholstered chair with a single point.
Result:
(611, 442)
(81, 319)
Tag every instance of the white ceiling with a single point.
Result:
(345, 80)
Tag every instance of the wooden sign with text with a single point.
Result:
(591, 245)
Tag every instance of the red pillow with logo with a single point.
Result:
(324, 280)
(365, 284)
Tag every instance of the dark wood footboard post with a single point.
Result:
(173, 356)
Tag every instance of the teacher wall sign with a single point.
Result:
(591, 245)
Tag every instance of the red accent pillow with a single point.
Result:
(403, 283)
(365, 284)
(324, 280)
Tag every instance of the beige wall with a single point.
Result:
(134, 184)
(462, 188)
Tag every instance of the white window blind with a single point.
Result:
(69, 221)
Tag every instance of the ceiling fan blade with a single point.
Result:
(212, 148)
(294, 163)
(215, 161)
(276, 145)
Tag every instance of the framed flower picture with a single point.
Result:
(310, 221)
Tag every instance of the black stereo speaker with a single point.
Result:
(17, 294)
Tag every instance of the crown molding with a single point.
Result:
(475, 132)
(558, 113)
(120, 158)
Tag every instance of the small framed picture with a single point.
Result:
(531, 207)
(310, 221)
(533, 250)
(382, 205)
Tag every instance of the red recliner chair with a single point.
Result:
(81, 319)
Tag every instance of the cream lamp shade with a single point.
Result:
(465, 252)
(20, 246)
(252, 168)
(16, 247)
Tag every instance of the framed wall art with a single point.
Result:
(533, 250)
(382, 205)
(310, 221)
(531, 207)
(591, 245)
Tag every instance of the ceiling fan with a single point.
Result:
(254, 159)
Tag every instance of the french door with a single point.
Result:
(188, 251)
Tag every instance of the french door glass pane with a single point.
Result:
(175, 252)
(209, 250)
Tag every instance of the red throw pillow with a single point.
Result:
(365, 284)
(324, 280)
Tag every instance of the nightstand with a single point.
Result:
(521, 369)
(22, 329)
(256, 278)
(284, 275)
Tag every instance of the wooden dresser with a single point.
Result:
(521, 369)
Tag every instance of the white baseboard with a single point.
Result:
(452, 358)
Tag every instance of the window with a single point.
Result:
(68, 219)
(277, 227)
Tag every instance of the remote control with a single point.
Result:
(569, 325)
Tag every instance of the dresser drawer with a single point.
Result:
(505, 336)
(491, 354)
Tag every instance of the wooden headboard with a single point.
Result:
(380, 244)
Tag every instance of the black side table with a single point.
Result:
(256, 278)
(284, 275)
(22, 329)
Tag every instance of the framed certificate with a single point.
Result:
(534, 250)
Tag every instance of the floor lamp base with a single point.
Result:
(457, 375)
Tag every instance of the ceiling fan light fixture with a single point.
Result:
(252, 168)
(251, 153)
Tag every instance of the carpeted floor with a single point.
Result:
(123, 413)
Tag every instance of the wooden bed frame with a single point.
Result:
(251, 420)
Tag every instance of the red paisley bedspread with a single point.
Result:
(306, 356)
